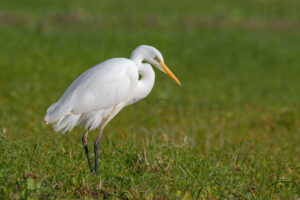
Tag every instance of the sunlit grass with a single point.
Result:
(231, 131)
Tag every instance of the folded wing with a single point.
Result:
(101, 87)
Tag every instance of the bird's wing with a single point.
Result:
(103, 86)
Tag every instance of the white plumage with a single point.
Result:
(92, 95)
(98, 94)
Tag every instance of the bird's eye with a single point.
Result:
(156, 59)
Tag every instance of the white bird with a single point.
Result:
(98, 94)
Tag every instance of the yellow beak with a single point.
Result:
(168, 71)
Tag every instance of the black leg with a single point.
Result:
(84, 142)
(96, 146)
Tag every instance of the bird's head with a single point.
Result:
(152, 56)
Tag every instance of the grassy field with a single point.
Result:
(230, 132)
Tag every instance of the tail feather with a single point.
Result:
(67, 123)
(56, 112)
(60, 117)
(51, 107)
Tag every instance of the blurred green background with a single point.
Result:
(231, 131)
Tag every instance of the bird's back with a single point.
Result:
(99, 88)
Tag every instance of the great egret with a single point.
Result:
(98, 94)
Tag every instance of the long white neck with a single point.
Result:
(145, 84)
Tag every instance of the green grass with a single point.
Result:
(231, 132)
